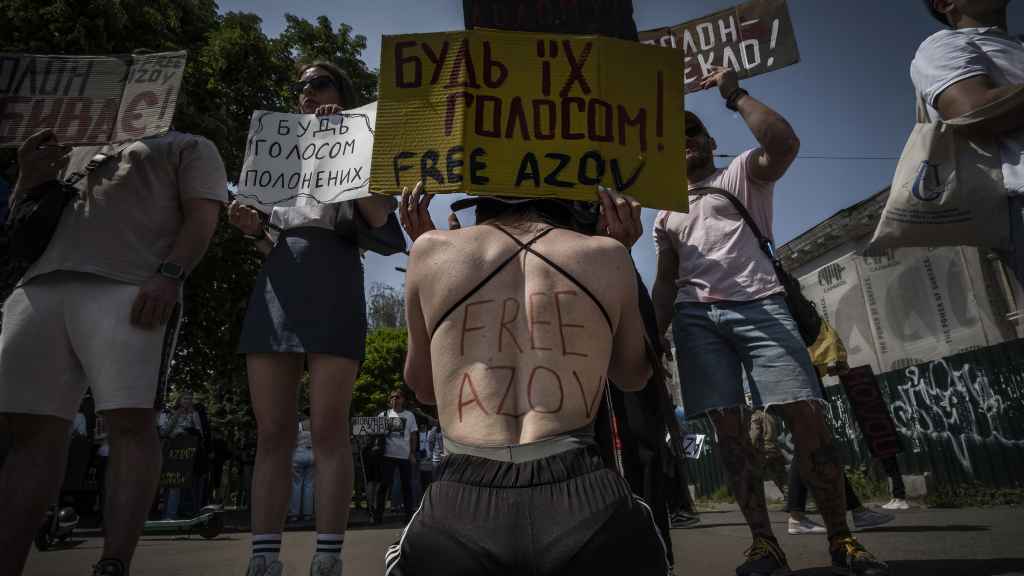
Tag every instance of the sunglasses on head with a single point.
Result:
(694, 130)
(317, 84)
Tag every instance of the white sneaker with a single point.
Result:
(325, 565)
(805, 526)
(868, 518)
(258, 567)
(897, 504)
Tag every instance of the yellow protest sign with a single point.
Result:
(522, 114)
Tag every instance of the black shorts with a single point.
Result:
(560, 515)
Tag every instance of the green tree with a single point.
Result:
(233, 69)
(381, 371)
(385, 306)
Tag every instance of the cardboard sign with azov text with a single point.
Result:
(530, 115)
(88, 100)
(753, 38)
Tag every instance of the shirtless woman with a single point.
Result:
(516, 325)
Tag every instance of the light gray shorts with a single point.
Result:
(64, 332)
(722, 346)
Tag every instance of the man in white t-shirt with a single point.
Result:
(719, 290)
(973, 63)
(100, 309)
(399, 453)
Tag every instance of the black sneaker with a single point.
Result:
(851, 559)
(764, 558)
(683, 520)
(109, 567)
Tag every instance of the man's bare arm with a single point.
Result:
(419, 373)
(975, 93)
(779, 143)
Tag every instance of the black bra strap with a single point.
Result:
(562, 271)
(493, 273)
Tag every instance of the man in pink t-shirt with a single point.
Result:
(732, 328)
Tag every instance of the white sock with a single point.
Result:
(266, 546)
(329, 544)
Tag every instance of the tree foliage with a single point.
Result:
(233, 69)
(382, 371)
(385, 306)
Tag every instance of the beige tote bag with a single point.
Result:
(948, 189)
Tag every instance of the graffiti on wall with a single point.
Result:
(954, 402)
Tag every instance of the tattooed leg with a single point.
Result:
(743, 468)
(819, 464)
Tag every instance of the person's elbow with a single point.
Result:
(633, 376)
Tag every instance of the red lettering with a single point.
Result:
(532, 320)
(529, 391)
(401, 60)
(465, 321)
(562, 325)
(508, 389)
(436, 60)
(588, 405)
(148, 98)
(463, 74)
(476, 398)
(504, 324)
(103, 125)
(76, 110)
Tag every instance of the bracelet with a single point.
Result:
(732, 100)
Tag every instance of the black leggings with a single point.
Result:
(796, 500)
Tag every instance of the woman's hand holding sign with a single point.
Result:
(414, 213)
(620, 217)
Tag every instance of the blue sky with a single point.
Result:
(849, 96)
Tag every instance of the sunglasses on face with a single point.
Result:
(693, 130)
(316, 84)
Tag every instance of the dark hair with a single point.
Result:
(397, 391)
(346, 89)
(578, 216)
(941, 17)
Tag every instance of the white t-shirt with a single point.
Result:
(396, 444)
(720, 259)
(950, 56)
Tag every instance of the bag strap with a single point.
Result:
(762, 240)
(95, 162)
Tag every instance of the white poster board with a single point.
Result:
(288, 156)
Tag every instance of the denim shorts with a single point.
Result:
(723, 347)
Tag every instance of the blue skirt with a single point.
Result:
(308, 298)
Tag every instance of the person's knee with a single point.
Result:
(276, 435)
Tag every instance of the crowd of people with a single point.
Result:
(524, 478)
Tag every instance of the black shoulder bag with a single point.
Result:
(804, 312)
(384, 240)
(36, 213)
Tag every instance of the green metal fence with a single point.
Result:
(960, 419)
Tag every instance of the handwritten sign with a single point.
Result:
(530, 115)
(88, 99)
(293, 155)
(612, 18)
(376, 425)
(753, 38)
(872, 411)
(179, 461)
(693, 444)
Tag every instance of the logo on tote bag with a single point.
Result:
(927, 186)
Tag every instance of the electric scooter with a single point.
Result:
(58, 526)
(208, 523)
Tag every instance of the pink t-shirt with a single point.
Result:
(719, 257)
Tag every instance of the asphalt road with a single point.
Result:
(921, 542)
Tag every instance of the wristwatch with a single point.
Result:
(732, 100)
(172, 271)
